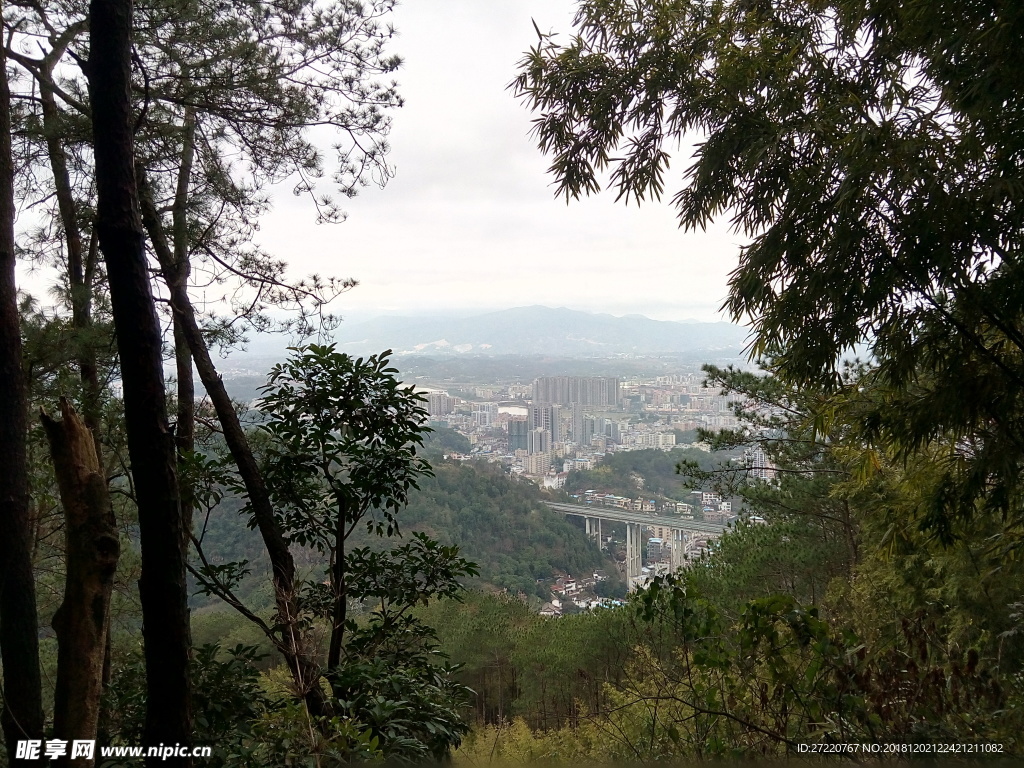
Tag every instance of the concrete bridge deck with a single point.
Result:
(681, 531)
(632, 516)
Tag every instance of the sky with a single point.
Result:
(470, 223)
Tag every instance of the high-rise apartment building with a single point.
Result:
(598, 391)
(588, 427)
(440, 404)
(538, 441)
(655, 550)
(518, 431)
(758, 463)
(546, 416)
(485, 414)
(537, 464)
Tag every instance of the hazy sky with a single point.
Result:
(470, 221)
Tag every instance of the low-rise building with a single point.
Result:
(554, 479)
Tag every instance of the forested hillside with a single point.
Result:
(500, 524)
(496, 522)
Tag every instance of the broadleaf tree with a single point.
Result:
(338, 443)
(344, 438)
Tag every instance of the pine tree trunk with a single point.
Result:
(22, 714)
(299, 657)
(81, 261)
(92, 549)
(162, 586)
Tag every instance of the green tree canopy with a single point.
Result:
(871, 153)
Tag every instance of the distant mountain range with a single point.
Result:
(542, 331)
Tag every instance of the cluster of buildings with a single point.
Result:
(558, 604)
(569, 592)
(558, 424)
(597, 391)
(555, 425)
(713, 507)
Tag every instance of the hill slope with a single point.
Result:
(497, 522)
(500, 524)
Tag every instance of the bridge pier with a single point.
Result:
(636, 522)
(678, 548)
(634, 553)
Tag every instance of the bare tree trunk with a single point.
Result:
(92, 549)
(162, 587)
(22, 714)
(185, 421)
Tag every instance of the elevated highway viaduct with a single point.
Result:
(681, 530)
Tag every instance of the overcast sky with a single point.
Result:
(470, 221)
